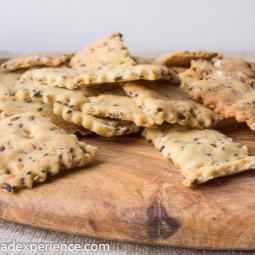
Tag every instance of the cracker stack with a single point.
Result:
(102, 89)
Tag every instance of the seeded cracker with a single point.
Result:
(7, 79)
(228, 93)
(183, 58)
(107, 53)
(33, 148)
(201, 155)
(33, 89)
(102, 126)
(36, 59)
(10, 106)
(164, 102)
(143, 61)
(117, 106)
(71, 79)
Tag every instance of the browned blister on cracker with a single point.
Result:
(201, 155)
(32, 148)
(163, 101)
(228, 90)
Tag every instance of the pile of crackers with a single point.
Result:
(48, 98)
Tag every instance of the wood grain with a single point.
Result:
(131, 193)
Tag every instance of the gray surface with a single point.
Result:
(11, 232)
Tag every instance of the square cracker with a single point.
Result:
(164, 102)
(102, 126)
(107, 53)
(184, 58)
(10, 106)
(32, 148)
(72, 79)
(228, 90)
(201, 155)
(36, 59)
(117, 106)
(49, 95)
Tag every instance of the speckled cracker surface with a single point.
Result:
(105, 54)
(32, 148)
(71, 79)
(183, 58)
(102, 126)
(201, 155)
(36, 59)
(33, 89)
(117, 106)
(229, 93)
(7, 80)
(10, 106)
(164, 102)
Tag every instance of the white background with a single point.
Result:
(68, 25)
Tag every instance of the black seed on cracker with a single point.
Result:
(181, 116)
(16, 118)
(31, 118)
(7, 187)
(117, 78)
(2, 148)
(160, 149)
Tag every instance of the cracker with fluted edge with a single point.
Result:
(71, 79)
(36, 59)
(10, 106)
(33, 148)
(228, 96)
(163, 101)
(33, 89)
(201, 155)
(117, 106)
(107, 127)
(184, 58)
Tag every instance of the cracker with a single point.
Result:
(183, 58)
(71, 79)
(117, 106)
(164, 102)
(33, 148)
(143, 61)
(102, 126)
(7, 79)
(228, 96)
(201, 155)
(10, 106)
(36, 59)
(32, 89)
(107, 53)
(236, 68)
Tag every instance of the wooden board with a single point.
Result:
(131, 193)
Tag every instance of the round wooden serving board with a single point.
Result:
(131, 193)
